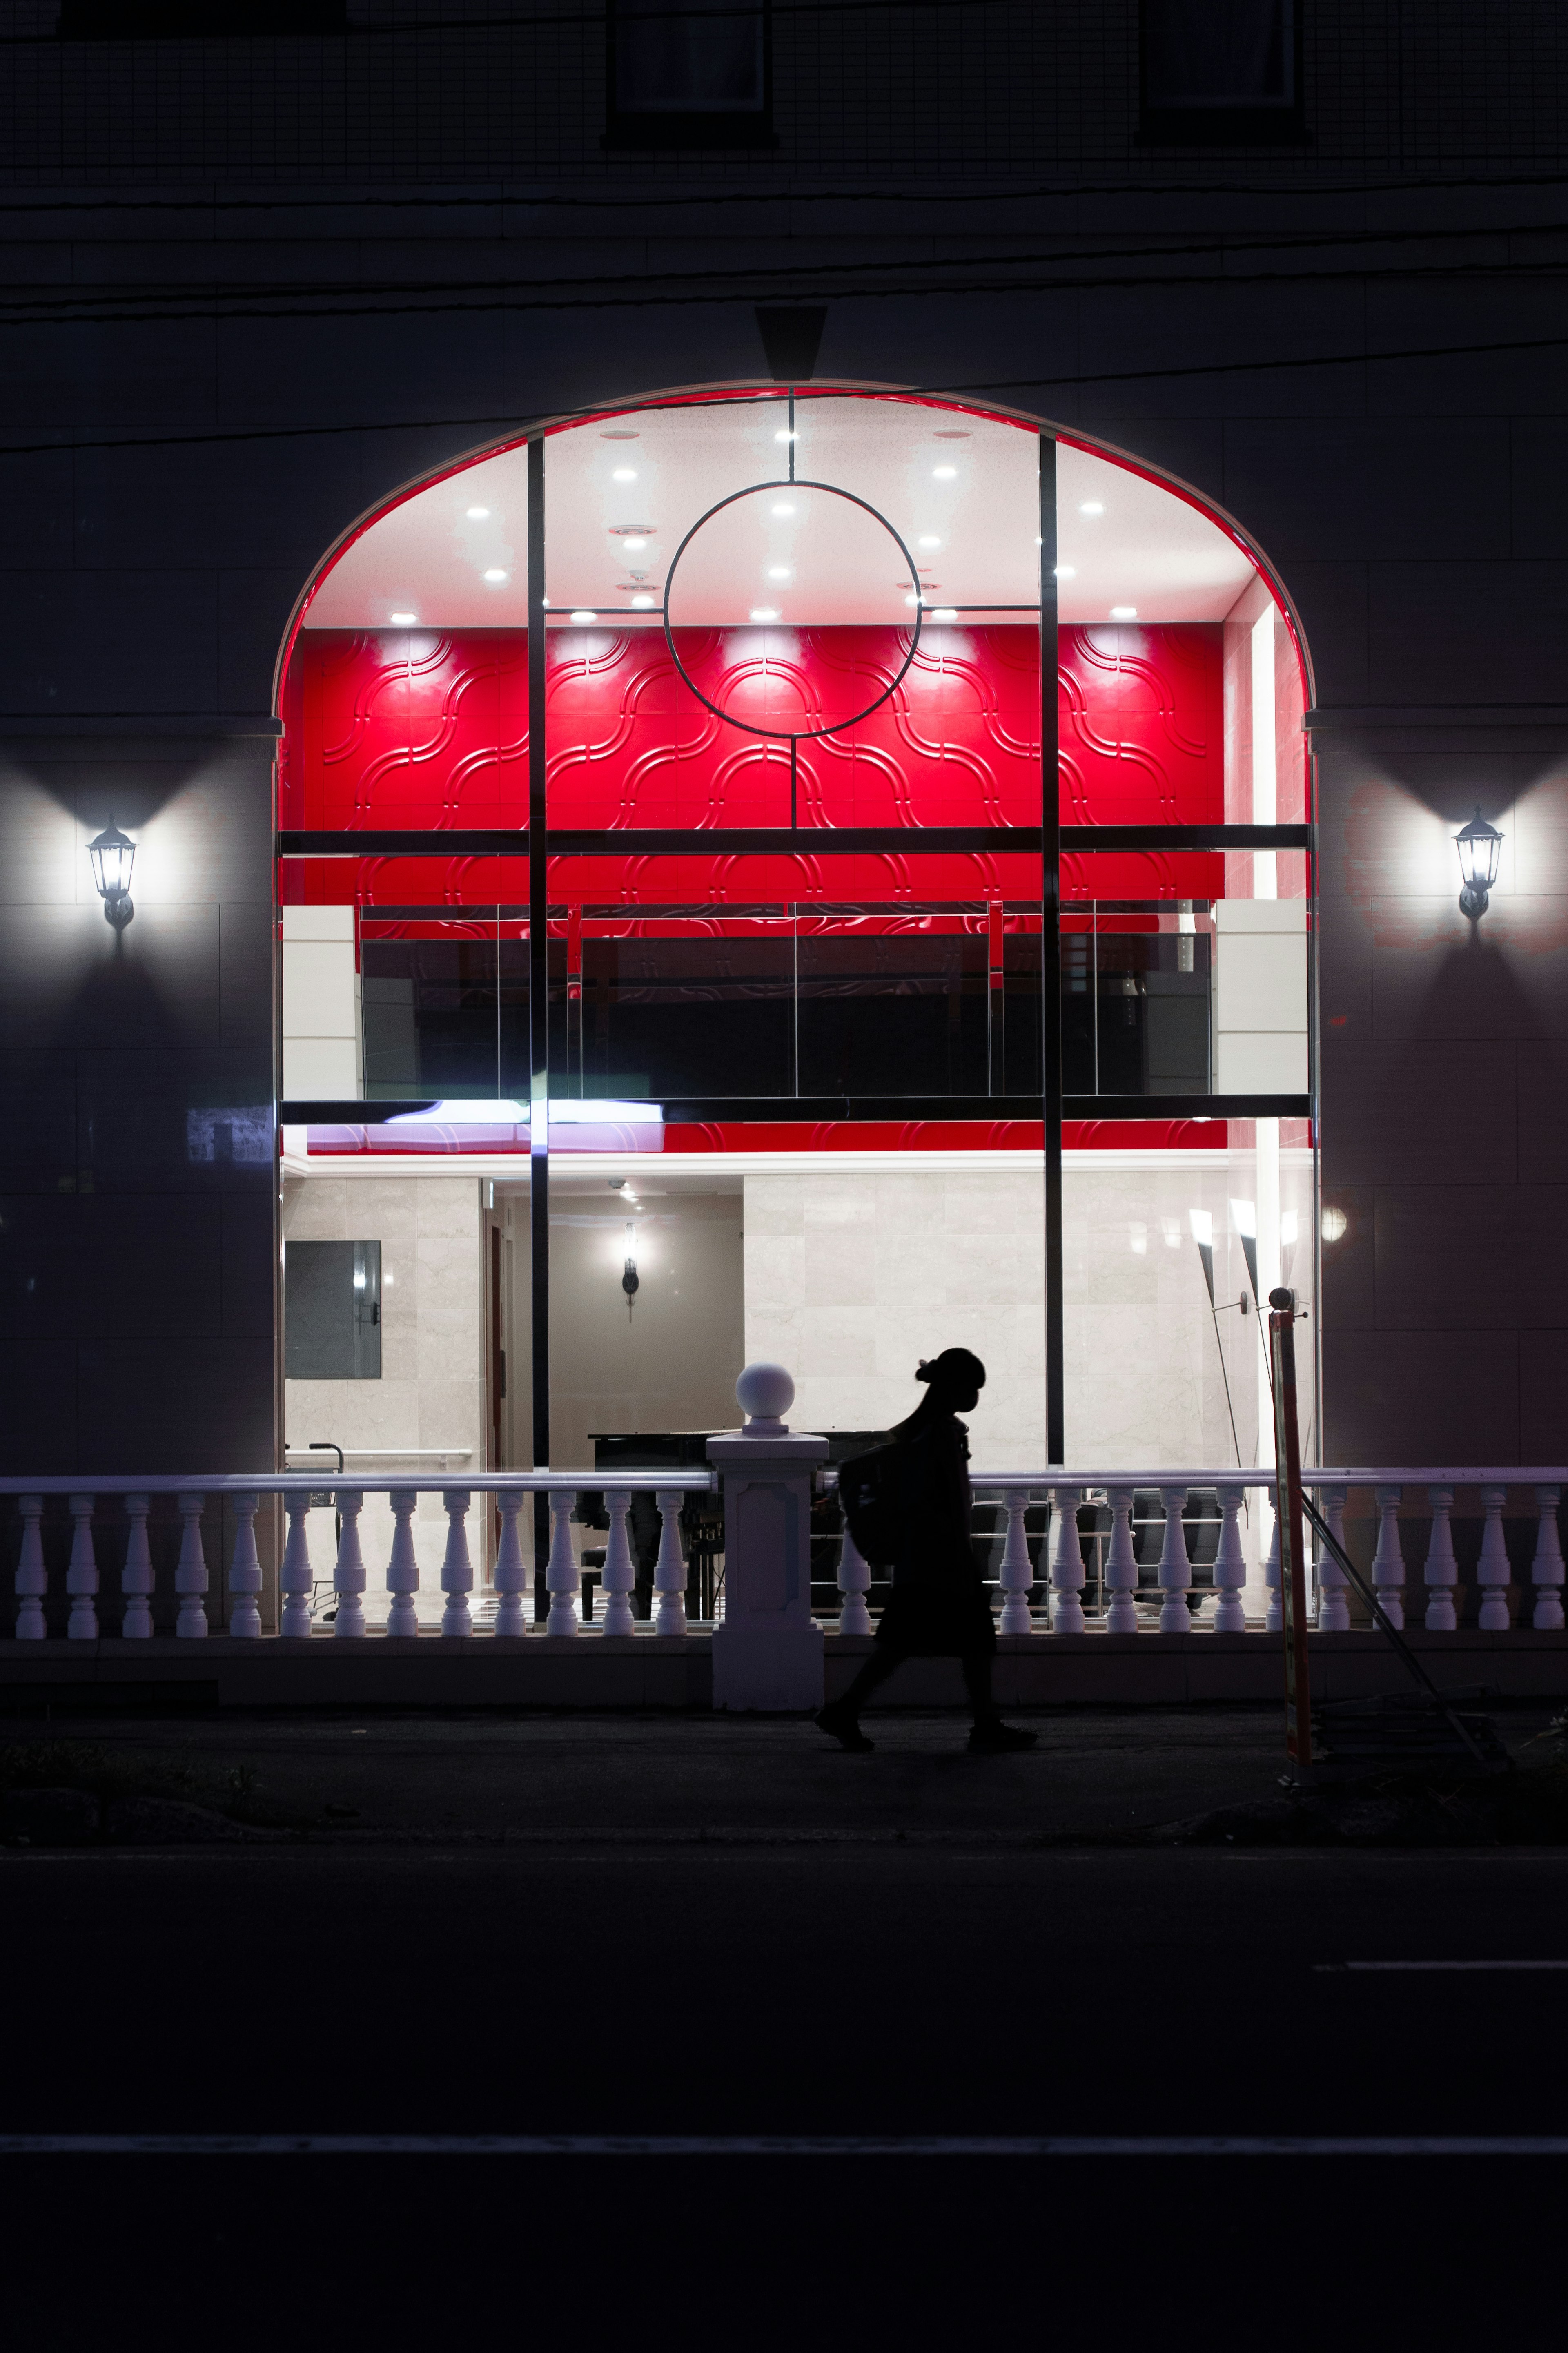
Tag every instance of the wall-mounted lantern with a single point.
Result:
(113, 854)
(1478, 845)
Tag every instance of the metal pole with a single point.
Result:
(1051, 956)
(538, 1001)
(1292, 1547)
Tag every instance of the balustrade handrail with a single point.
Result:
(379, 1483)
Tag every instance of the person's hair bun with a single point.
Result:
(925, 1370)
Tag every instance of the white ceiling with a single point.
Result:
(967, 485)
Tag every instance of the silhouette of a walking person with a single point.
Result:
(939, 1607)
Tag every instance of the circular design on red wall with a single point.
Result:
(763, 556)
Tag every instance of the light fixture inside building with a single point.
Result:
(944, 613)
(1478, 845)
(944, 473)
(778, 572)
(583, 618)
(765, 613)
(629, 1277)
(1124, 612)
(642, 603)
(1091, 506)
(113, 854)
(404, 620)
(495, 576)
(1064, 572)
(624, 474)
(632, 545)
(927, 539)
(478, 514)
(1335, 1224)
(781, 511)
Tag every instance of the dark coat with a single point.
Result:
(939, 1607)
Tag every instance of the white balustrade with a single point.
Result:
(511, 1570)
(1388, 1560)
(348, 1570)
(1230, 1565)
(1017, 1575)
(1175, 1569)
(1492, 1572)
(1442, 1568)
(1121, 1565)
(1333, 1586)
(619, 1573)
(1274, 1617)
(1067, 1563)
(669, 1568)
(1546, 1570)
(191, 1572)
(32, 1577)
(403, 1567)
(296, 1581)
(854, 1584)
(457, 1568)
(81, 1576)
(563, 1578)
(245, 1571)
(136, 1576)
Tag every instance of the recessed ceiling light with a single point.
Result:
(583, 618)
(1124, 612)
(928, 539)
(1092, 506)
(629, 544)
(951, 434)
(914, 603)
(495, 576)
(404, 620)
(642, 603)
(1066, 572)
(782, 511)
(944, 473)
(778, 572)
(477, 515)
(765, 613)
(620, 435)
(946, 612)
(787, 436)
(624, 474)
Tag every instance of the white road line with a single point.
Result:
(1059, 2144)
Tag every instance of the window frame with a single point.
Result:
(701, 129)
(1224, 126)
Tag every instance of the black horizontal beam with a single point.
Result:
(814, 1110)
(813, 841)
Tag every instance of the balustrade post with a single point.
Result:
(1175, 1569)
(767, 1652)
(136, 1576)
(620, 1571)
(512, 1576)
(1067, 1563)
(297, 1583)
(1274, 1617)
(245, 1570)
(1333, 1588)
(1388, 1560)
(1230, 1565)
(1442, 1568)
(1546, 1570)
(1492, 1572)
(669, 1569)
(348, 1570)
(1017, 1576)
(563, 1578)
(81, 1576)
(1121, 1565)
(191, 1572)
(32, 1577)
(403, 1565)
(457, 1568)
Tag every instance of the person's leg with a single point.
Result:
(988, 1730)
(841, 1717)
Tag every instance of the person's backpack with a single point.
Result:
(872, 1491)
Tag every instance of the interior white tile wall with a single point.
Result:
(321, 1005)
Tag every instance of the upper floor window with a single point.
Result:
(689, 73)
(198, 20)
(1221, 72)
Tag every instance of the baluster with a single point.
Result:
(1333, 1591)
(1230, 1565)
(1274, 1617)
(1442, 1568)
(136, 1576)
(669, 1569)
(1067, 1563)
(403, 1564)
(854, 1584)
(620, 1574)
(32, 1577)
(1388, 1560)
(563, 1578)
(1175, 1569)
(297, 1583)
(245, 1570)
(1546, 1572)
(457, 1568)
(512, 1575)
(348, 1570)
(1121, 1565)
(190, 1573)
(1492, 1572)
(81, 1576)
(1017, 1575)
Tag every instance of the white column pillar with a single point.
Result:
(403, 1566)
(563, 1578)
(512, 1573)
(245, 1570)
(1067, 1563)
(1333, 1588)
(1017, 1576)
(136, 1576)
(1492, 1571)
(768, 1654)
(620, 1570)
(457, 1568)
(1388, 1560)
(1175, 1569)
(298, 1582)
(81, 1576)
(348, 1573)
(669, 1569)
(1442, 1568)
(1546, 1573)
(32, 1577)
(191, 1572)
(1121, 1565)
(1230, 1565)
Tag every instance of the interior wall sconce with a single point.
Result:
(113, 854)
(1478, 845)
(629, 1279)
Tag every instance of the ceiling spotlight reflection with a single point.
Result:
(944, 613)
(624, 474)
(785, 510)
(914, 603)
(404, 620)
(642, 603)
(927, 539)
(786, 437)
(583, 618)
(631, 544)
(1066, 572)
(478, 514)
(1124, 612)
(944, 473)
(765, 613)
(1091, 506)
(778, 572)
(495, 576)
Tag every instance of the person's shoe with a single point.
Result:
(992, 1736)
(835, 1720)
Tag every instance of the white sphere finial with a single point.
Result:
(764, 1392)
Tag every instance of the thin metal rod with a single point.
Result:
(1051, 958)
(538, 990)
